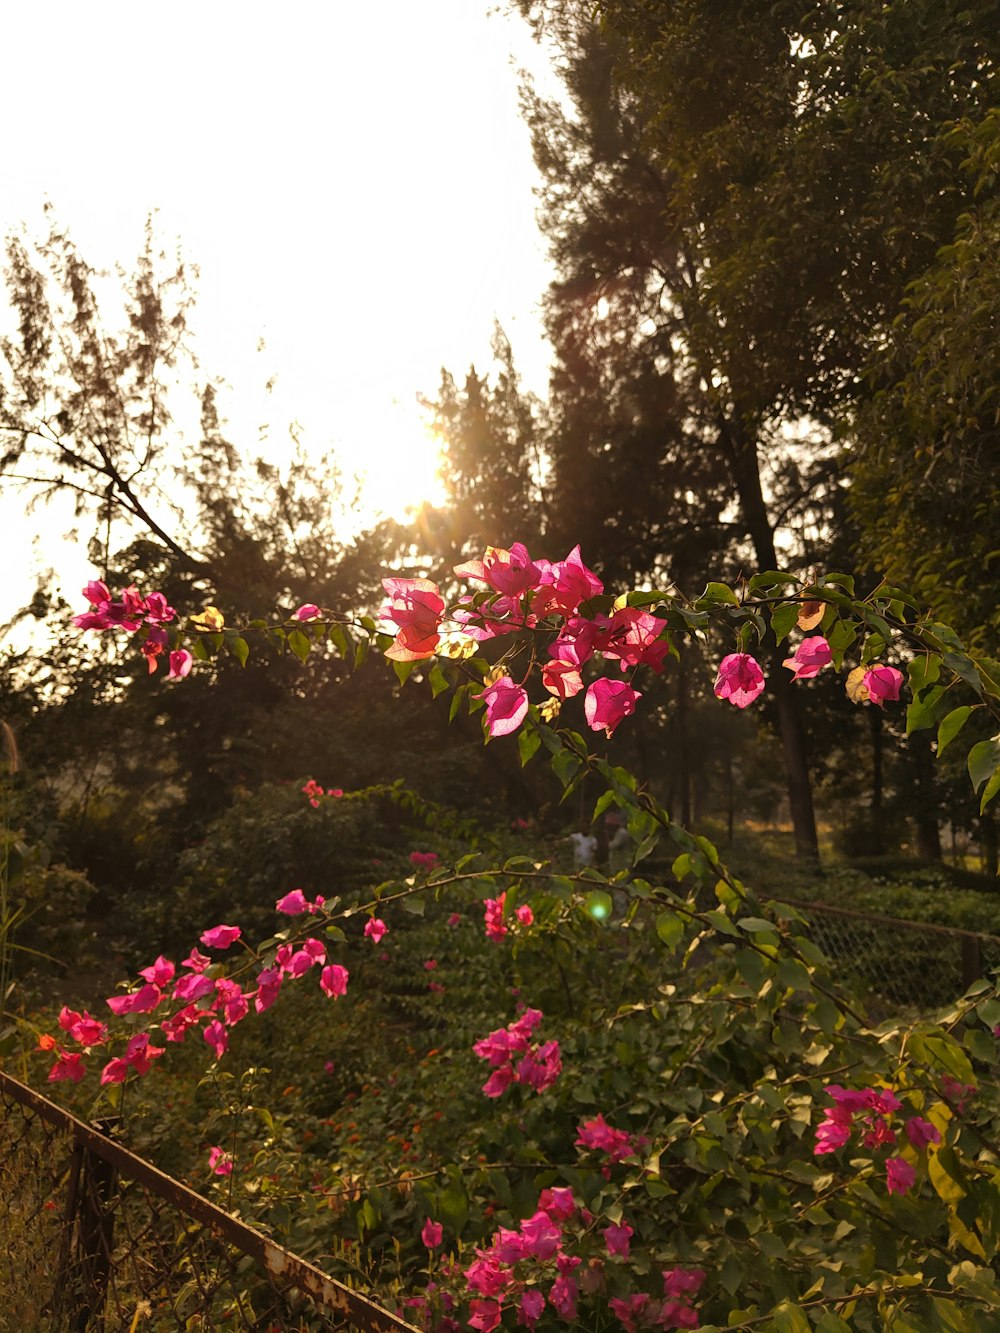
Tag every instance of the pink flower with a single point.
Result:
(883, 683)
(83, 1028)
(424, 860)
(193, 987)
(454, 919)
(599, 1136)
(268, 985)
(415, 607)
(569, 582)
(630, 1311)
(430, 964)
(562, 679)
(69, 1065)
(484, 1315)
(115, 1071)
(142, 1001)
(333, 980)
(221, 937)
(506, 706)
(493, 915)
(558, 1202)
(512, 573)
(375, 929)
(921, 1132)
(682, 1281)
(196, 961)
(740, 679)
(899, 1175)
(296, 902)
(308, 611)
(180, 664)
(220, 1162)
(809, 658)
(562, 1296)
(432, 1234)
(217, 1037)
(633, 636)
(525, 915)
(160, 972)
(139, 1054)
(532, 1305)
(618, 1238)
(157, 610)
(541, 1235)
(607, 703)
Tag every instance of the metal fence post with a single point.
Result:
(972, 961)
(94, 1238)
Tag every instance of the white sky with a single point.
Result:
(353, 181)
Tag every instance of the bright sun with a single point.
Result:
(397, 464)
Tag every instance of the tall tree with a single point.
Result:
(751, 190)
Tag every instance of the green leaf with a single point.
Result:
(239, 648)
(784, 619)
(923, 671)
(964, 667)
(403, 670)
(718, 594)
(925, 710)
(339, 639)
(299, 644)
(670, 928)
(984, 760)
(528, 741)
(951, 726)
(414, 904)
(989, 791)
(439, 681)
(565, 765)
(789, 1318)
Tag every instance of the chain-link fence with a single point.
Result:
(905, 964)
(94, 1238)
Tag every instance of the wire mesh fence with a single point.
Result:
(904, 964)
(94, 1238)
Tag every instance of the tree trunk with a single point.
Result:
(925, 815)
(741, 451)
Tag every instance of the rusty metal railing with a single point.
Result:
(93, 1237)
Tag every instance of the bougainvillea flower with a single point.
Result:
(484, 1316)
(899, 1175)
(180, 664)
(740, 679)
(809, 658)
(142, 1001)
(562, 679)
(217, 1037)
(506, 706)
(531, 1309)
(921, 1132)
(883, 684)
(193, 987)
(333, 980)
(432, 1234)
(220, 1162)
(558, 1202)
(196, 961)
(618, 1238)
(633, 636)
(221, 937)
(160, 972)
(512, 573)
(308, 611)
(154, 645)
(682, 1281)
(88, 1031)
(493, 917)
(70, 1066)
(599, 1136)
(607, 703)
(157, 610)
(424, 860)
(415, 607)
(569, 582)
(268, 985)
(630, 1311)
(296, 902)
(525, 915)
(563, 1295)
(175, 1029)
(139, 1054)
(115, 1071)
(541, 1235)
(375, 928)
